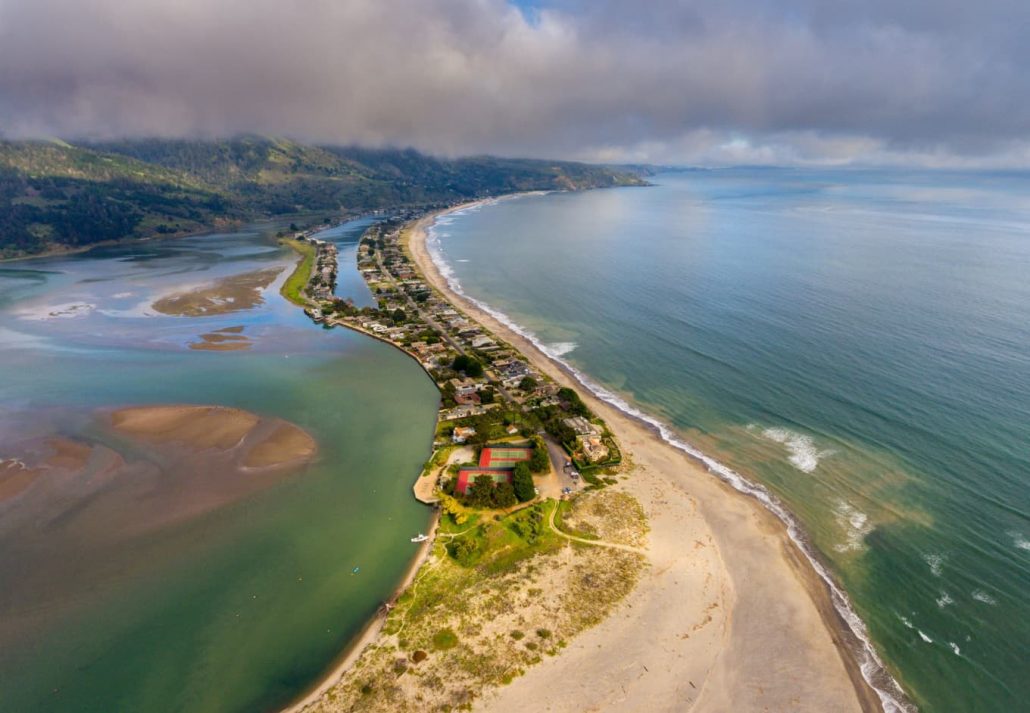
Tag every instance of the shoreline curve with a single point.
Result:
(875, 686)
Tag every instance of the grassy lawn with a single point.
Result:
(295, 283)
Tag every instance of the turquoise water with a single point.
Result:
(856, 341)
(240, 608)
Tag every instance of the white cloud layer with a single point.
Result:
(788, 81)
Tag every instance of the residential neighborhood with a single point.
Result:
(489, 393)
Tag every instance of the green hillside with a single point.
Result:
(58, 195)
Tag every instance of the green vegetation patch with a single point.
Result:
(445, 639)
(293, 288)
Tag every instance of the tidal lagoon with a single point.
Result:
(855, 341)
(151, 566)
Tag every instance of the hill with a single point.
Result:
(58, 195)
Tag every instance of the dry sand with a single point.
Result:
(729, 616)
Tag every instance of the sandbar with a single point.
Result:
(230, 294)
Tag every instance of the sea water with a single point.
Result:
(856, 343)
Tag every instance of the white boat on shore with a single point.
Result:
(420, 538)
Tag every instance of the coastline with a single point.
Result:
(718, 501)
(370, 632)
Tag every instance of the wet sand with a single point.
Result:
(222, 340)
(75, 510)
(730, 616)
(230, 294)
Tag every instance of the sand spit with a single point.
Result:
(729, 616)
(231, 294)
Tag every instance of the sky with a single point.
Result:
(709, 82)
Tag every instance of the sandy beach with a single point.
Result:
(729, 616)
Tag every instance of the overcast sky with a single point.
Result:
(941, 82)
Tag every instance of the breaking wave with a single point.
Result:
(855, 524)
(875, 673)
(803, 453)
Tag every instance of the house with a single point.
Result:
(467, 399)
(464, 387)
(483, 342)
(581, 426)
(462, 434)
(593, 449)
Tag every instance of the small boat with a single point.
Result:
(420, 538)
(355, 570)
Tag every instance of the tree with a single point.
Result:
(573, 404)
(503, 495)
(539, 461)
(467, 364)
(480, 494)
(528, 383)
(522, 483)
(399, 316)
(486, 396)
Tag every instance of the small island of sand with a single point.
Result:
(230, 294)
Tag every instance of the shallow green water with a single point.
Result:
(859, 342)
(241, 608)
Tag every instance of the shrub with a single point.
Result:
(464, 550)
(543, 633)
(517, 635)
(419, 656)
(445, 639)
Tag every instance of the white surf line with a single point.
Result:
(874, 671)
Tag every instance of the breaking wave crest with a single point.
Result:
(803, 453)
(875, 673)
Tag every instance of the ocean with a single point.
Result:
(854, 342)
(239, 608)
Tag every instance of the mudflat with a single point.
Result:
(230, 294)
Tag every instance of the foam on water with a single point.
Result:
(1019, 540)
(803, 453)
(924, 637)
(936, 563)
(855, 524)
(983, 597)
(944, 600)
(873, 670)
(563, 348)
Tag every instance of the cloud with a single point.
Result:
(741, 80)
